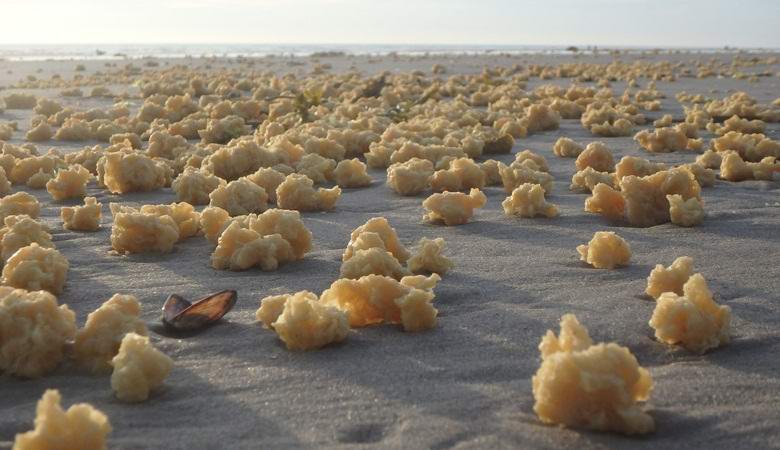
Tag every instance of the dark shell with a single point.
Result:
(181, 315)
(174, 305)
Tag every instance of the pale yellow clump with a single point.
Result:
(33, 332)
(531, 160)
(374, 260)
(704, 176)
(634, 165)
(540, 117)
(382, 230)
(241, 248)
(597, 387)
(697, 118)
(5, 185)
(364, 241)
(47, 107)
(604, 120)
(297, 192)
(186, 218)
(194, 186)
(8, 158)
(751, 147)
(21, 231)
(245, 157)
(429, 258)
(351, 173)
(573, 337)
(316, 167)
(417, 312)
(132, 140)
(736, 123)
(453, 208)
(69, 183)
(81, 427)
(82, 218)
(606, 250)
(410, 177)
(6, 129)
(286, 223)
(239, 197)
(19, 203)
(734, 168)
(662, 140)
(39, 179)
(669, 279)
(587, 179)
(28, 169)
(462, 174)
(213, 221)
(685, 213)
(621, 127)
(223, 130)
(528, 201)
(40, 132)
(645, 197)
(74, 129)
(131, 172)
(138, 232)
(139, 368)
(709, 159)
(606, 201)
(426, 283)
(432, 153)
(692, 320)
(268, 179)
(327, 148)
(445, 162)
(36, 268)
(665, 121)
(302, 321)
(597, 156)
(374, 299)
(20, 100)
(515, 175)
(289, 225)
(695, 145)
(98, 342)
(87, 157)
(492, 173)
(567, 148)
(164, 145)
(273, 305)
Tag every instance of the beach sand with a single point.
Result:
(466, 383)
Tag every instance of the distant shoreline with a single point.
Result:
(42, 52)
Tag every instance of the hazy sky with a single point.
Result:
(708, 23)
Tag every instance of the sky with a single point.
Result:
(655, 23)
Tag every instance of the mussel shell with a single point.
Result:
(182, 315)
(174, 305)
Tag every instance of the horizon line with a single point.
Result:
(390, 44)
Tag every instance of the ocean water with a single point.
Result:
(135, 51)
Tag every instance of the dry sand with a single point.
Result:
(466, 384)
